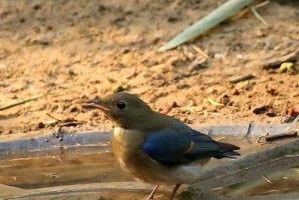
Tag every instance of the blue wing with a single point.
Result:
(171, 148)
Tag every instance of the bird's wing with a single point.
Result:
(203, 146)
(167, 147)
(171, 148)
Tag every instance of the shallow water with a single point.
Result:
(72, 168)
(39, 172)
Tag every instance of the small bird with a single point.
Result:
(157, 148)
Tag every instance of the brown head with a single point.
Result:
(125, 110)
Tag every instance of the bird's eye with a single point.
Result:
(121, 105)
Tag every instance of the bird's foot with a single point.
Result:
(152, 194)
(175, 189)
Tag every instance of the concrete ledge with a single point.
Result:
(99, 141)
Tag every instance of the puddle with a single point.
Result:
(82, 169)
(39, 172)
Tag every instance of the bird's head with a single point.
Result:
(125, 110)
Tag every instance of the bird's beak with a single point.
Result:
(97, 103)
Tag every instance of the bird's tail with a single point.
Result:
(229, 150)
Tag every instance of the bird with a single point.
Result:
(157, 148)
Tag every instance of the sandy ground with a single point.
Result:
(76, 50)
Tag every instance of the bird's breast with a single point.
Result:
(125, 142)
(127, 147)
(128, 150)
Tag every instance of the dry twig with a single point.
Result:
(215, 103)
(274, 63)
(242, 78)
(272, 138)
(22, 102)
(201, 52)
(258, 16)
(64, 122)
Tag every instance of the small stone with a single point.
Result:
(7, 132)
(101, 8)
(54, 107)
(40, 125)
(272, 91)
(22, 20)
(175, 105)
(155, 40)
(272, 71)
(271, 114)
(236, 92)
(71, 72)
(74, 109)
(119, 21)
(125, 50)
(225, 99)
(37, 6)
(261, 110)
(111, 80)
(173, 18)
(182, 86)
(13, 96)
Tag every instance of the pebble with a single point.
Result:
(74, 109)
(261, 109)
(40, 125)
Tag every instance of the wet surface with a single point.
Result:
(48, 171)
(74, 167)
(277, 183)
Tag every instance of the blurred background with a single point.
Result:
(75, 50)
(65, 52)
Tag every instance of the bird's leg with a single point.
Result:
(175, 189)
(152, 194)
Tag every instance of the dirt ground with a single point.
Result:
(74, 50)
